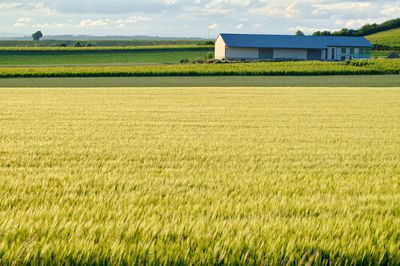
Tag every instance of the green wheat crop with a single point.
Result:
(200, 176)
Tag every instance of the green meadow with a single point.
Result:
(200, 176)
(118, 55)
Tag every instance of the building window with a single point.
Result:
(343, 50)
(351, 50)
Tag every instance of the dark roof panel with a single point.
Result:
(292, 41)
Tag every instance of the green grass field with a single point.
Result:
(388, 38)
(100, 56)
(200, 176)
(210, 81)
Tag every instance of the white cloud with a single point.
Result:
(119, 23)
(209, 11)
(392, 10)
(118, 6)
(8, 5)
(41, 7)
(325, 10)
(213, 26)
(24, 20)
(42, 26)
(52, 25)
(93, 23)
(135, 19)
(138, 17)
(356, 23)
(290, 10)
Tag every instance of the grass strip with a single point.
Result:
(209, 81)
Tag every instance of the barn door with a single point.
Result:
(314, 54)
(264, 53)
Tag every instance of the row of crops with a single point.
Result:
(360, 67)
(23, 50)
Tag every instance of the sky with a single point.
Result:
(184, 18)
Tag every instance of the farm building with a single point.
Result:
(276, 47)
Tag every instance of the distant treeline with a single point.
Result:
(101, 43)
(365, 30)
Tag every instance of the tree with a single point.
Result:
(37, 35)
(299, 33)
(322, 33)
(367, 29)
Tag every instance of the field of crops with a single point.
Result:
(265, 68)
(98, 43)
(119, 55)
(387, 38)
(200, 176)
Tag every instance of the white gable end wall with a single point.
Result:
(220, 48)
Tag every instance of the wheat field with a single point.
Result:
(199, 176)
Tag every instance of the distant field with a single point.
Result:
(196, 176)
(98, 43)
(48, 56)
(361, 67)
(210, 81)
(388, 38)
(121, 49)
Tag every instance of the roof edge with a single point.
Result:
(321, 42)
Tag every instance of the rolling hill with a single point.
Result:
(386, 38)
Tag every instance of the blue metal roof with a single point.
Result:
(292, 41)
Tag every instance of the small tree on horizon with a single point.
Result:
(299, 33)
(37, 35)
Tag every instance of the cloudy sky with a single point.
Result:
(185, 18)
